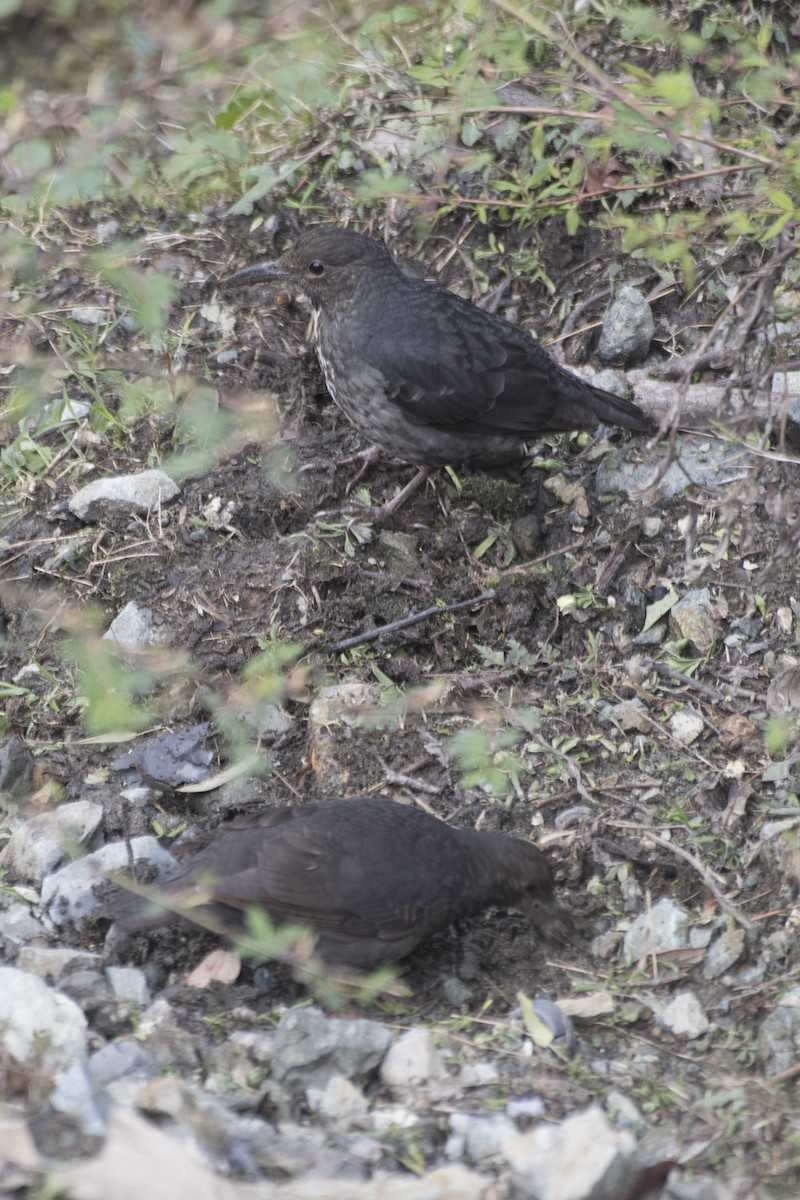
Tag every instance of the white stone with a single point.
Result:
(37, 1022)
(684, 1017)
(339, 1100)
(686, 726)
(578, 1158)
(68, 895)
(665, 927)
(411, 1060)
(124, 493)
(43, 842)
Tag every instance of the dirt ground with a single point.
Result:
(588, 788)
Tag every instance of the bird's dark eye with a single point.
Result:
(316, 267)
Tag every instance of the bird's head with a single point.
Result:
(326, 263)
(528, 883)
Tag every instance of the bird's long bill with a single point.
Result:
(260, 273)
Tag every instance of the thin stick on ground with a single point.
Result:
(371, 635)
(727, 905)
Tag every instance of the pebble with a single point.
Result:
(709, 463)
(51, 963)
(309, 1048)
(478, 1137)
(68, 895)
(665, 927)
(339, 1101)
(684, 1017)
(122, 496)
(726, 950)
(411, 1060)
(39, 1024)
(627, 329)
(171, 760)
(42, 842)
(779, 1034)
(16, 765)
(582, 1156)
(693, 618)
(133, 628)
(128, 983)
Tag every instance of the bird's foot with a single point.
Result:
(379, 514)
(367, 458)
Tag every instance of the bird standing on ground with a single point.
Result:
(427, 376)
(373, 878)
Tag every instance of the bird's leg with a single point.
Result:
(379, 514)
(392, 506)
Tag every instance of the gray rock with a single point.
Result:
(701, 936)
(697, 1189)
(779, 1035)
(133, 628)
(309, 1048)
(243, 1144)
(89, 314)
(399, 553)
(172, 760)
(526, 534)
(413, 1059)
(129, 984)
(38, 1023)
(693, 618)
(333, 713)
(581, 1158)
(666, 927)
(478, 1074)
(478, 1137)
(42, 842)
(724, 952)
(710, 463)
(339, 1101)
(63, 412)
(456, 991)
(117, 1059)
(623, 1113)
(526, 1106)
(16, 765)
(686, 725)
(627, 330)
(684, 1017)
(104, 231)
(50, 963)
(18, 926)
(272, 722)
(68, 895)
(123, 496)
(89, 989)
(629, 714)
(75, 1098)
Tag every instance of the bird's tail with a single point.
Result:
(613, 410)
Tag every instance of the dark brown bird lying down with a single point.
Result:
(372, 877)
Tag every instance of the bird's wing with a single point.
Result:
(451, 365)
(308, 875)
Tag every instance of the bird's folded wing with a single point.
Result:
(471, 379)
(307, 876)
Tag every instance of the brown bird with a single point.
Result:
(427, 376)
(371, 877)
